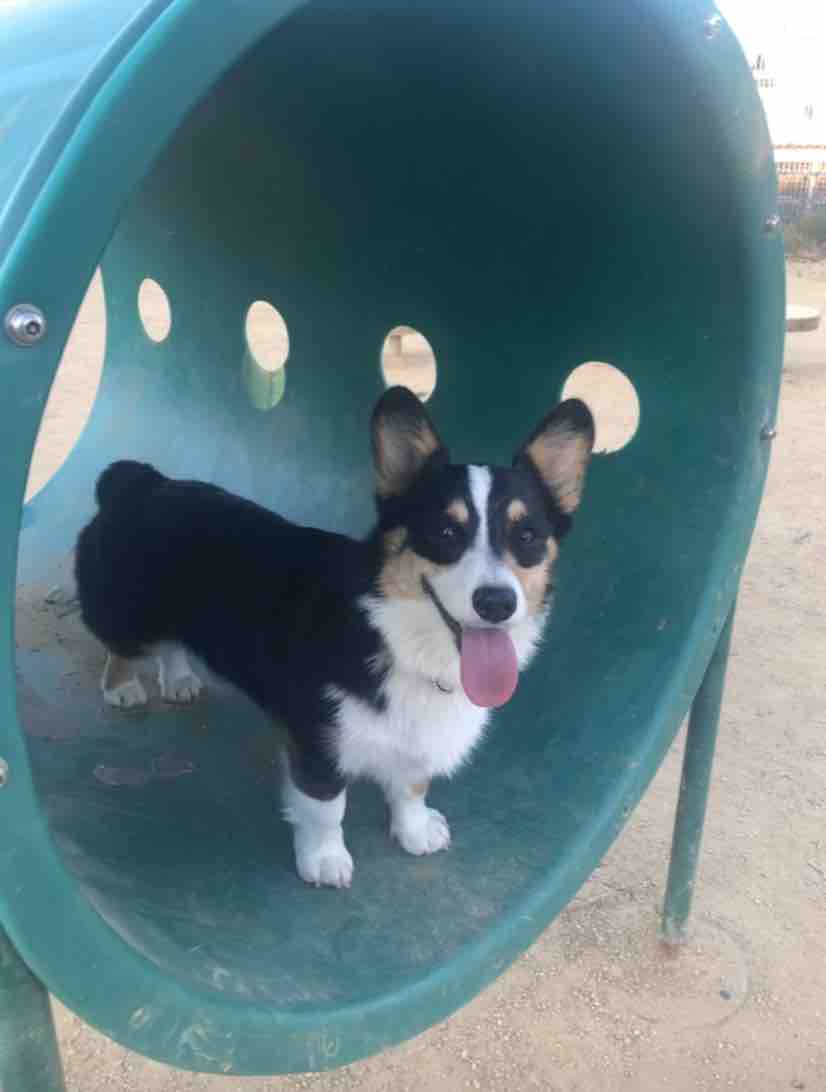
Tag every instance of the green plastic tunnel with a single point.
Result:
(532, 184)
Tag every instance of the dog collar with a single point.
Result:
(444, 614)
(440, 686)
(451, 624)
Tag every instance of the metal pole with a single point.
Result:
(691, 807)
(29, 1055)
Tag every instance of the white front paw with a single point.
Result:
(327, 864)
(426, 831)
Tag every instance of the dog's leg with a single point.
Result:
(321, 856)
(120, 684)
(418, 828)
(178, 681)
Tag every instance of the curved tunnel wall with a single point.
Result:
(532, 187)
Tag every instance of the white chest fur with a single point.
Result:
(422, 733)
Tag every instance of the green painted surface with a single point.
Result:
(532, 185)
(29, 1061)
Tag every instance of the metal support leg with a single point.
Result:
(691, 807)
(29, 1056)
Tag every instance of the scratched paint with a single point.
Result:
(163, 768)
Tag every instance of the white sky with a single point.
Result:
(797, 28)
(791, 34)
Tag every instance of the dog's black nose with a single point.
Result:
(494, 602)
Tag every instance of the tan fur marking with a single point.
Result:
(561, 457)
(118, 671)
(402, 572)
(394, 540)
(420, 789)
(458, 510)
(395, 471)
(534, 579)
(516, 510)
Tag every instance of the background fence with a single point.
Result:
(802, 184)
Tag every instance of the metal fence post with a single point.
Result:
(691, 807)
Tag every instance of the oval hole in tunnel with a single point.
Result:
(154, 310)
(408, 360)
(73, 389)
(611, 398)
(268, 347)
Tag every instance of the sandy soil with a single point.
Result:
(597, 1004)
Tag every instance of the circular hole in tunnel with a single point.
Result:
(154, 310)
(268, 347)
(73, 390)
(268, 339)
(408, 360)
(611, 398)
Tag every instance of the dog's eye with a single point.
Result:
(527, 535)
(445, 537)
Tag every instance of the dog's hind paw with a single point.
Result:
(182, 690)
(127, 695)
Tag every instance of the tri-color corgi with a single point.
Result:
(382, 657)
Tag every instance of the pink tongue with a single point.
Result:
(490, 671)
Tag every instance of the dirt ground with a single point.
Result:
(597, 1003)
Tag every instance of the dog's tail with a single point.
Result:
(125, 483)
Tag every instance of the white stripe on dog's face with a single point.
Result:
(479, 567)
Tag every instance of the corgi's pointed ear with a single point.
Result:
(404, 442)
(559, 451)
